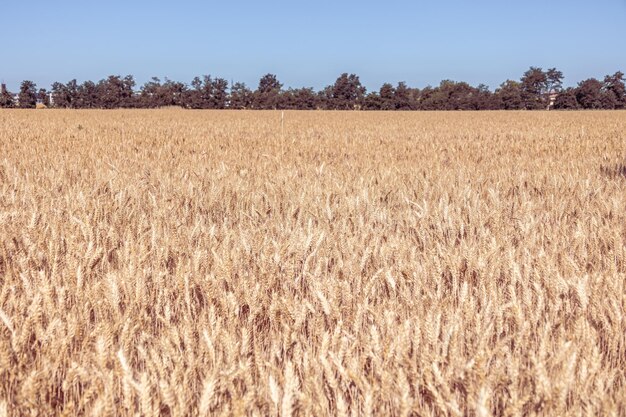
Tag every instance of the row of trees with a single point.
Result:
(536, 89)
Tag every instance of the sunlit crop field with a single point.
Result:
(174, 263)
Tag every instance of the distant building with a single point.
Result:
(552, 99)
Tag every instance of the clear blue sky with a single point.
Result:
(310, 43)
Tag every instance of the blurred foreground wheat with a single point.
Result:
(173, 263)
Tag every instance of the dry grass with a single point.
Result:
(201, 263)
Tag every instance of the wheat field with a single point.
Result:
(181, 263)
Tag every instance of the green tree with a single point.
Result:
(199, 96)
(554, 81)
(372, 101)
(219, 93)
(6, 99)
(28, 95)
(566, 100)
(485, 99)
(614, 86)
(347, 93)
(65, 95)
(589, 94)
(267, 95)
(240, 96)
(402, 97)
(533, 87)
(553, 86)
(461, 96)
(172, 93)
(300, 99)
(71, 89)
(449, 95)
(149, 93)
(43, 97)
(509, 94)
(386, 94)
(325, 97)
(116, 92)
(87, 96)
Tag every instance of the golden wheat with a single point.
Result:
(180, 263)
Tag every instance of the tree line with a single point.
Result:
(536, 89)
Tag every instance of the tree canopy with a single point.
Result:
(535, 90)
